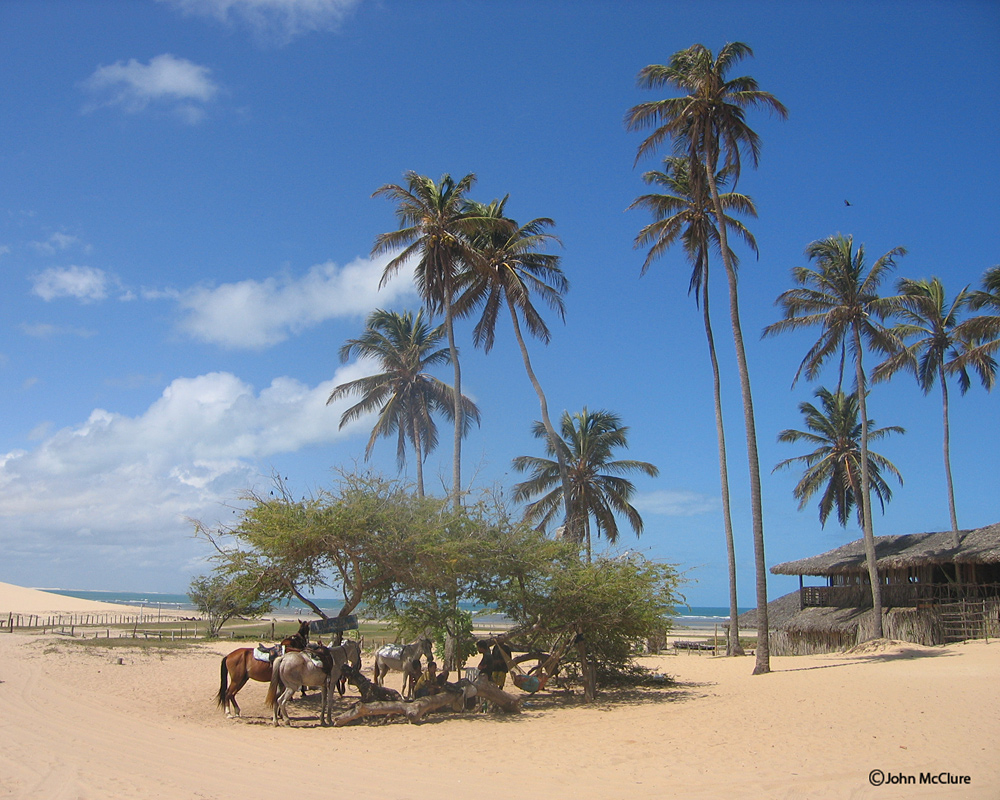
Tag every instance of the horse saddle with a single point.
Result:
(266, 654)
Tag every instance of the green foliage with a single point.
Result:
(413, 560)
(834, 466)
(615, 602)
(221, 600)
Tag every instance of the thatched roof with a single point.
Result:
(779, 611)
(978, 546)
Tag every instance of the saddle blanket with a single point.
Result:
(316, 660)
(391, 651)
(261, 653)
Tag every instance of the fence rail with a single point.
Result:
(895, 594)
(11, 621)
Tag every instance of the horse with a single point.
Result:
(294, 670)
(348, 653)
(400, 658)
(241, 666)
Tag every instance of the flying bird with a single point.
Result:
(847, 202)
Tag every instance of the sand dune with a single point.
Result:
(75, 723)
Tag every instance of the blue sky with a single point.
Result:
(186, 218)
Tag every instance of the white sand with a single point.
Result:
(19, 600)
(74, 723)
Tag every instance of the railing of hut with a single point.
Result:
(894, 594)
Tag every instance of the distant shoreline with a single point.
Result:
(700, 618)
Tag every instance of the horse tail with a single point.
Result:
(275, 687)
(220, 698)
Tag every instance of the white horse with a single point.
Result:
(400, 658)
(291, 672)
(347, 652)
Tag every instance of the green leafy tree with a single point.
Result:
(833, 467)
(707, 124)
(935, 348)
(509, 269)
(595, 476)
(607, 608)
(415, 561)
(434, 226)
(841, 297)
(221, 600)
(683, 212)
(403, 393)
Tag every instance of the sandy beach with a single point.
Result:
(76, 723)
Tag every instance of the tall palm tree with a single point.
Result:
(433, 226)
(599, 492)
(682, 211)
(937, 349)
(508, 270)
(983, 332)
(708, 123)
(841, 297)
(405, 396)
(835, 465)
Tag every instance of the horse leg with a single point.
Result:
(235, 686)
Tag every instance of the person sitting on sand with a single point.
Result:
(427, 682)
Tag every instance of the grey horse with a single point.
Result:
(400, 658)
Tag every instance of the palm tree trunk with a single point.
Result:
(554, 439)
(947, 459)
(733, 646)
(763, 664)
(456, 464)
(866, 500)
(418, 454)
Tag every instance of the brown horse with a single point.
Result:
(241, 666)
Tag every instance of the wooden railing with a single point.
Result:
(894, 594)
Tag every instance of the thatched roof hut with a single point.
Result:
(978, 546)
(778, 612)
(932, 592)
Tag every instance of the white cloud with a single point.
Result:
(56, 243)
(176, 83)
(86, 284)
(281, 20)
(675, 503)
(125, 485)
(256, 314)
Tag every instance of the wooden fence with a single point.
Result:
(10, 622)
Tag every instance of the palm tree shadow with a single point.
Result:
(902, 654)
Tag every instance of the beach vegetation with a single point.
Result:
(706, 123)
(419, 563)
(434, 229)
(510, 268)
(933, 346)
(222, 598)
(683, 213)
(840, 295)
(403, 394)
(589, 440)
(833, 467)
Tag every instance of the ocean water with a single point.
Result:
(706, 617)
(687, 616)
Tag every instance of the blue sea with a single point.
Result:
(687, 616)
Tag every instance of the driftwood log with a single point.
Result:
(415, 710)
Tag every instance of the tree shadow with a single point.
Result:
(900, 654)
